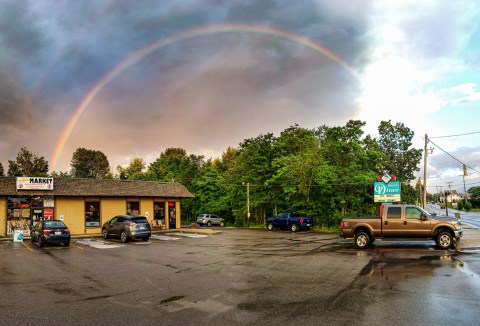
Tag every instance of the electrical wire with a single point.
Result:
(456, 159)
(470, 133)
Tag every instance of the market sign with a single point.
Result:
(34, 183)
(386, 189)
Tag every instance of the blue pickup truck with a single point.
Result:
(289, 220)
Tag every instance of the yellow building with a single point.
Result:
(85, 204)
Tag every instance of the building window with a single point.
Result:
(133, 207)
(92, 213)
(159, 211)
(18, 215)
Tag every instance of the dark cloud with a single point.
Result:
(205, 93)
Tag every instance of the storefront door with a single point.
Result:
(172, 216)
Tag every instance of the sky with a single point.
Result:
(132, 78)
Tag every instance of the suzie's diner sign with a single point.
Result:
(34, 183)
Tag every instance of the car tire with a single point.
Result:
(67, 244)
(444, 240)
(270, 227)
(222, 224)
(124, 236)
(41, 242)
(209, 224)
(362, 240)
(145, 238)
(294, 227)
(105, 233)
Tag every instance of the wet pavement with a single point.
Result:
(240, 277)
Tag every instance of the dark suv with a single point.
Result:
(127, 227)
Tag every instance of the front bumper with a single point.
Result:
(458, 234)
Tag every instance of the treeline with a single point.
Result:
(326, 172)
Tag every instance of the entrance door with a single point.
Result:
(172, 216)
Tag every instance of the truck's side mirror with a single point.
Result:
(423, 218)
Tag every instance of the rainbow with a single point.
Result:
(142, 53)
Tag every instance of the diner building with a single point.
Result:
(85, 204)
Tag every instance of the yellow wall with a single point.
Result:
(111, 207)
(3, 217)
(146, 205)
(73, 211)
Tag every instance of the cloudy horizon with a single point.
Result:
(315, 63)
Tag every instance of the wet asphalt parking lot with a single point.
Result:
(238, 277)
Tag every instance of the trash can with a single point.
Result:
(17, 236)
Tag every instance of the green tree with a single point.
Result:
(28, 164)
(395, 141)
(134, 171)
(2, 172)
(61, 175)
(88, 163)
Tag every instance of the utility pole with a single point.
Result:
(446, 197)
(426, 152)
(464, 186)
(248, 202)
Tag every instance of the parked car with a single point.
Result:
(50, 232)
(127, 227)
(209, 220)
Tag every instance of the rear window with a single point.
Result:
(139, 219)
(394, 212)
(54, 224)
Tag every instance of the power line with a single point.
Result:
(456, 159)
(470, 133)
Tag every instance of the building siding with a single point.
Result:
(146, 205)
(73, 210)
(3, 217)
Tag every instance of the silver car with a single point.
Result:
(210, 219)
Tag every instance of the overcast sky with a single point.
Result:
(217, 72)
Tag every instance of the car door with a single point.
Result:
(392, 222)
(112, 225)
(215, 219)
(281, 221)
(414, 225)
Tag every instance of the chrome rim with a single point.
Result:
(124, 236)
(361, 240)
(445, 241)
(270, 227)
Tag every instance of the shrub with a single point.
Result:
(460, 205)
(468, 206)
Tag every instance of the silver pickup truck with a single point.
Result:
(405, 222)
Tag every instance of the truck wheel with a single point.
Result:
(362, 240)
(294, 227)
(270, 226)
(444, 240)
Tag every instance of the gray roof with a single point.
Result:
(100, 187)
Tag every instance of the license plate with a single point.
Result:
(58, 232)
(309, 225)
(142, 228)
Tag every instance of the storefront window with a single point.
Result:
(19, 215)
(159, 211)
(133, 207)
(92, 213)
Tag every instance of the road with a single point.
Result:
(238, 277)
(470, 218)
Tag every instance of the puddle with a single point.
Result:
(99, 244)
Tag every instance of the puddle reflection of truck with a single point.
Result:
(402, 222)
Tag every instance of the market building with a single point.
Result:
(85, 204)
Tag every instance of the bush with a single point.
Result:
(460, 205)
(468, 206)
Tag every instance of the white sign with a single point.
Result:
(146, 214)
(34, 183)
(62, 217)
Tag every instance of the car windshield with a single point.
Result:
(54, 224)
